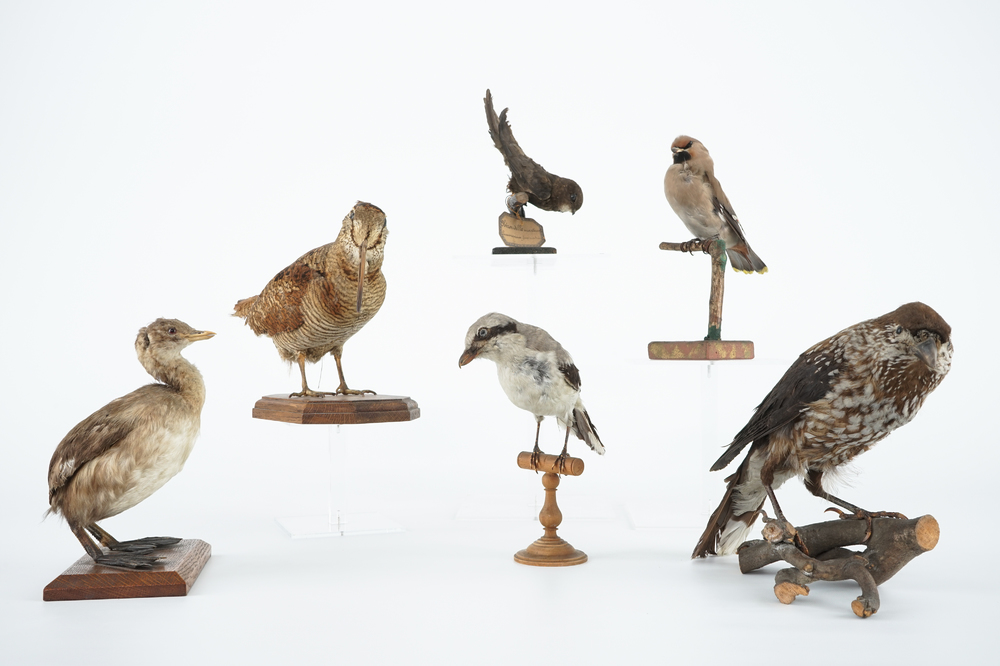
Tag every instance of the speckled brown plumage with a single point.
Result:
(316, 304)
(838, 399)
(125, 451)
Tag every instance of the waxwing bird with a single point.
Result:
(125, 451)
(536, 373)
(697, 197)
(529, 181)
(840, 397)
(316, 304)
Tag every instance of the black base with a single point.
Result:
(524, 250)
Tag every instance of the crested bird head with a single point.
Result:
(685, 148)
(364, 232)
(484, 336)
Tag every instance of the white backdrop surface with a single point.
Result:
(169, 159)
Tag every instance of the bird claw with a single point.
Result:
(130, 561)
(779, 530)
(866, 516)
(143, 545)
(343, 390)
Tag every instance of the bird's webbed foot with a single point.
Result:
(127, 560)
(779, 530)
(867, 516)
(143, 545)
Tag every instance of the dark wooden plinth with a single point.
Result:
(701, 350)
(173, 577)
(335, 410)
(524, 250)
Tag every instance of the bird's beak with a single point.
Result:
(200, 335)
(927, 351)
(467, 356)
(674, 149)
(361, 271)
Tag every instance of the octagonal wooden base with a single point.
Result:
(173, 577)
(336, 410)
(701, 350)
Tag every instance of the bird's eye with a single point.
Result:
(351, 214)
(482, 332)
(899, 329)
(572, 198)
(689, 144)
(172, 330)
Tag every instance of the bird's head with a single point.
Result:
(569, 193)
(364, 233)
(684, 148)
(484, 336)
(166, 337)
(918, 339)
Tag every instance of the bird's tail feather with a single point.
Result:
(744, 259)
(729, 525)
(242, 308)
(584, 428)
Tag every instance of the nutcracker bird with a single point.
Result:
(536, 373)
(125, 451)
(529, 181)
(840, 397)
(696, 196)
(312, 307)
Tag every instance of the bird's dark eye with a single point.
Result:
(689, 144)
(172, 330)
(572, 198)
(899, 329)
(482, 332)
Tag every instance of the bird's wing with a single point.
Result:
(723, 208)
(572, 376)
(527, 173)
(278, 309)
(805, 382)
(98, 433)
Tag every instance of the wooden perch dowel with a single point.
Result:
(717, 249)
(550, 463)
(893, 544)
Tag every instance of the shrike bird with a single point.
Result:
(535, 372)
(837, 400)
(529, 181)
(125, 451)
(697, 197)
(316, 304)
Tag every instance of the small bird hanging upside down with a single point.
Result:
(835, 402)
(125, 451)
(536, 373)
(529, 181)
(697, 197)
(312, 307)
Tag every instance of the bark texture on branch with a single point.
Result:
(894, 542)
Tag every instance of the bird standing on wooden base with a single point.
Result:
(536, 373)
(697, 197)
(125, 451)
(529, 181)
(838, 399)
(312, 307)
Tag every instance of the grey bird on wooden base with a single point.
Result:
(312, 307)
(536, 373)
(125, 451)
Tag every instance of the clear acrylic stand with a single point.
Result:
(338, 520)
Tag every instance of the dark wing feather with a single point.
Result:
(525, 172)
(723, 208)
(806, 381)
(571, 374)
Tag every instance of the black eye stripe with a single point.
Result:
(494, 331)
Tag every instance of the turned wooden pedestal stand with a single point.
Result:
(521, 236)
(337, 410)
(713, 347)
(550, 550)
(172, 577)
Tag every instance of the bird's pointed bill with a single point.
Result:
(361, 271)
(467, 356)
(200, 335)
(927, 352)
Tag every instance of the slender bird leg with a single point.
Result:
(307, 392)
(342, 389)
(564, 455)
(124, 561)
(132, 546)
(815, 486)
(536, 452)
(779, 528)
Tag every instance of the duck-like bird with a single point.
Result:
(536, 373)
(312, 307)
(125, 451)
(529, 181)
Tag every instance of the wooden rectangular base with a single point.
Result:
(701, 350)
(173, 577)
(335, 410)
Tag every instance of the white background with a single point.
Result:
(168, 159)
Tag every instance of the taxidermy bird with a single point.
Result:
(312, 307)
(125, 451)
(536, 373)
(837, 400)
(529, 182)
(697, 197)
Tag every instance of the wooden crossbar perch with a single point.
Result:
(550, 550)
(893, 543)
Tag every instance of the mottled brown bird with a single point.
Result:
(697, 197)
(840, 397)
(529, 181)
(125, 451)
(312, 307)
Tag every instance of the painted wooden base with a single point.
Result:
(520, 232)
(173, 577)
(335, 410)
(701, 350)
